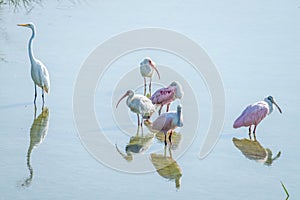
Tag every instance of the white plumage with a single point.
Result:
(39, 72)
(138, 104)
(147, 67)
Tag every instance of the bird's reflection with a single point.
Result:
(137, 144)
(167, 167)
(176, 138)
(38, 132)
(253, 150)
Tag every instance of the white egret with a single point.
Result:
(39, 72)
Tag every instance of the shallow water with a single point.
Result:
(255, 46)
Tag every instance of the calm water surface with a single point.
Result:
(255, 46)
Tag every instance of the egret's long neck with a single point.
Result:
(30, 51)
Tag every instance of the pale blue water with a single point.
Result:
(255, 46)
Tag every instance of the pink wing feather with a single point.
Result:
(163, 96)
(162, 123)
(252, 115)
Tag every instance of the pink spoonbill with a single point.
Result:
(138, 104)
(147, 67)
(168, 122)
(165, 96)
(255, 113)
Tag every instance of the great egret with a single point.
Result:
(39, 72)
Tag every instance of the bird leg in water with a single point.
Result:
(138, 119)
(35, 94)
(145, 85)
(170, 137)
(159, 111)
(34, 111)
(254, 132)
(250, 132)
(43, 96)
(150, 86)
(165, 139)
(168, 107)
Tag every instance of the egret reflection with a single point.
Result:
(137, 144)
(167, 167)
(253, 150)
(38, 132)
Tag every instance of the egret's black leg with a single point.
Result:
(34, 111)
(35, 94)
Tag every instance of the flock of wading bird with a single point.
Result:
(145, 107)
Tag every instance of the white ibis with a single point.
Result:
(147, 67)
(138, 104)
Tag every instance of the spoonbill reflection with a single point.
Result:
(253, 150)
(167, 167)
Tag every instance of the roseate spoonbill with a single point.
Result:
(138, 104)
(147, 67)
(165, 96)
(168, 122)
(39, 72)
(255, 113)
